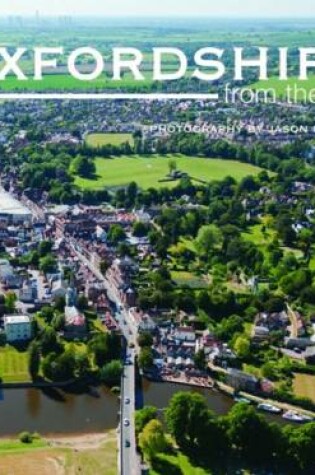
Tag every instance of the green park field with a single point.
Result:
(147, 171)
(13, 365)
(99, 140)
(280, 87)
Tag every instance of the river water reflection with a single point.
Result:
(55, 412)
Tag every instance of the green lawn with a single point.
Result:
(12, 445)
(99, 140)
(171, 464)
(183, 278)
(258, 237)
(147, 171)
(262, 240)
(280, 87)
(304, 386)
(13, 365)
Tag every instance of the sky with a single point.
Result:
(210, 8)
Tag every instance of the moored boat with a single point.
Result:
(269, 408)
(241, 399)
(294, 416)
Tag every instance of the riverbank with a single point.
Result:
(88, 454)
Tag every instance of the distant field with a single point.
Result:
(60, 82)
(147, 171)
(98, 140)
(280, 87)
(13, 365)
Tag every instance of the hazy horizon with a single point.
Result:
(304, 9)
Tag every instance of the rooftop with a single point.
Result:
(16, 319)
(9, 205)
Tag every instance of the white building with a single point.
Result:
(141, 321)
(12, 211)
(17, 328)
(185, 334)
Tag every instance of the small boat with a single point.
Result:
(241, 399)
(296, 417)
(269, 408)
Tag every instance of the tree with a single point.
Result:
(242, 346)
(200, 360)
(49, 341)
(293, 283)
(185, 418)
(208, 238)
(145, 339)
(33, 360)
(116, 234)
(251, 435)
(146, 358)
(172, 166)
(83, 367)
(26, 437)
(10, 301)
(301, 447)
(143, 416)
(228, 327)
(104, 266)
(152, 439)
(83, 166)
(60, 367)
(45, 248)
(83, 302)
(104, 348)
(47, 313)
(111, 373)
(47, 264)
(140, 229)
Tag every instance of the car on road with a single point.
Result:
(126, 422)
(127, 443)
(127, 400)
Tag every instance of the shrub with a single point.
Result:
(26, 437)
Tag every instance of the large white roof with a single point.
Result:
(13, 319)
(9, 205)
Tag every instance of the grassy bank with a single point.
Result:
(90, 455)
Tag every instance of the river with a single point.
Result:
(55, 412)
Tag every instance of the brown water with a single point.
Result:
(159, 394)
(54, 412)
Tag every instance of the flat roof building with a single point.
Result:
(11, 210)
(17, 327)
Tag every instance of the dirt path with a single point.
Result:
(81, 442)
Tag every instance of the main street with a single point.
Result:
(129, 460)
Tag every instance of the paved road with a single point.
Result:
(128, 454)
